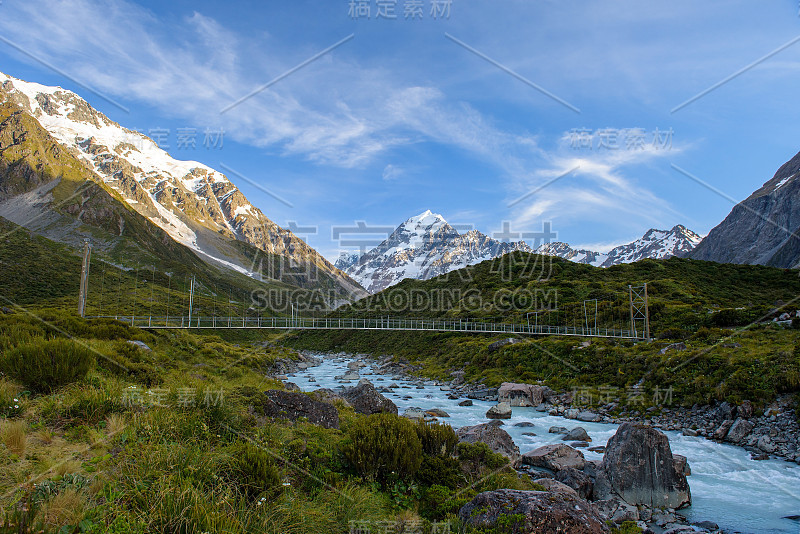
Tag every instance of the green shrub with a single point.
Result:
(441, 471)
(438, 439)
(476, 457)
(254, 472)
(380, 445)
(129, 361)
(44, 366)
(438, 501)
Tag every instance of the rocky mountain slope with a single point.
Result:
(195, 205)
(422, 247)
(764, 228)
(654, 244)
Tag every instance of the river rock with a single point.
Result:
(580, 481)
(558, 430)
(414, 413)
(365, 399)
(501, 410)
(436, 412)
(539, 511)
(616, 510)
(521, 394)
(465, 403)
(577, 434)
(739, 430)
(766, 444)
(288, 405)
(554, 486)
(641, 469)
(588, 417)
(723, 429)
(555, 457)
(492, 435)
(745, 410)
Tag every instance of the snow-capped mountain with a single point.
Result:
(195, 204)
(423, 247)
(655, 244)
(762, 229)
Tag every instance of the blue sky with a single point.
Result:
(401, 118)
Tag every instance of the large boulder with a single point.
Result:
(531, 511)
(293, 406)
(580, 481)
(364, 398)
(640, 468)
(501, 410)
(492, 435)
(555, 457)
(739, 430)
(522, 394)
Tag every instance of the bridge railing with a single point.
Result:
(370, 323)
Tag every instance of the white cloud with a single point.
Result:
(392, 172)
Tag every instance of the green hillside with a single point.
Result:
(711, 307)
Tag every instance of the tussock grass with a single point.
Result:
(66, 508)
(14, 436)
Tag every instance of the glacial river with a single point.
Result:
(728, 488)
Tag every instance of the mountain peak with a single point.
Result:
(423, 247)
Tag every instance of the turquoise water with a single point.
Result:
(728, 487)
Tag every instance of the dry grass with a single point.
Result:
(115, 423)
(70, 466)
(66, 508)
(14, 435)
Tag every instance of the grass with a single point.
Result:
(110, 453)
(14, 436)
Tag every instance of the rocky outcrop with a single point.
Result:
(555, 457)
(365, 399)
(576, 434)
(532, 511)
(578, 480)
(492, 435)
(293, 406)
(762, 229)
(640, 468)
(500, 411)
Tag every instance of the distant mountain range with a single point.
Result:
(764, 228)
(195, 205)
(655, 244)
(426, 246)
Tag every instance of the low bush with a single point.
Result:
(44, 366)
(438, 439)
(254, 472)
(382, 445)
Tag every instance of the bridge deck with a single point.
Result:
(385, 323)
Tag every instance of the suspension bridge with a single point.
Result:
(635, 327)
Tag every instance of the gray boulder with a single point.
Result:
(365, 399)
(640, 468)
(328, 395)
(616, 510)
(497, 345)
(535, 511)
(293, 406)
(577, 434)
(554, 486)
(580, 481)
(501, 410)
(739, 430)
(558, 430)
(588, 417)
(465, 403)
(492, 435)
(723, 429)
(521, 394)
(555, 457)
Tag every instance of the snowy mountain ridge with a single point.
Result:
(196, 205)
